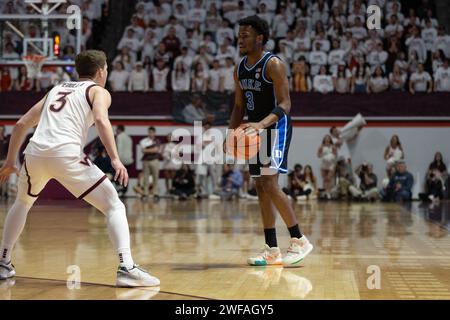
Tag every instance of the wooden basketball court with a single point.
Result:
(199, 248)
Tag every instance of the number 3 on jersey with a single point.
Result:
(61, 102)
(250, 103)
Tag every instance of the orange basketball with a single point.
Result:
(242, 146)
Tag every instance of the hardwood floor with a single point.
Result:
(199, 248)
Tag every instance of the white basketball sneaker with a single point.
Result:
(6, 270)
(135, 277)
(268, 256)
(297, 251)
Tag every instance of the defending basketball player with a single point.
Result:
(262, 91)
(63, 118)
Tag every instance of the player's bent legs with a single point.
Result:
(106, 200)
(32, 180)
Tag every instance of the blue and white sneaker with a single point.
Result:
(135, 277)
(6, 270)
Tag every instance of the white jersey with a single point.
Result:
(65, 121)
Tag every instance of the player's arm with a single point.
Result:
(19, 132)
(239, 108)
(101, 101)
(276, 72)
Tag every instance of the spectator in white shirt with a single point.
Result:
(160, 14)
(394, 28)
(224, 31)
(185, 58)
(412, 19)
(302, 44)
(282, 21)
(347, 40)
(434, 22)
(199, 81)
(415, 43)
(180, 12)
(263, 13)
(138, 30)
(378, 82)
(395, 8)
(225, 50)
(160, 74)
(322, 39)
(317, 58)
(196, 14)
(228, 75)
(336, 30)
(130, 41)
(429, 34)
(213, 19)
(138, 79)
(442, 42)
(180, 30)
(442, 78)
(336, 56)
(148, 44)
(215, 77)
(320, 12)
(397, 79)
(377, 58)
(118, 78)
(323, 82)
(181, 79)
(359, 31)
(420, 81)
(208, 43)
(127, 58)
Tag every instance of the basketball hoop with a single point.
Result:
(34, 64)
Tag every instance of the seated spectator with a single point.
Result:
(310, 179)
(103, 162)
(181, 80)
(215, 77)
(433, 187)
(397, 79)
(442, 42)
(23, 83)
(118, 79)
(199, 81)
(416, 44)
(378, 82)
(323, 82)
(231, 183)
(196, 111)
(438, 164)
(368, 183)
(127, 58)
(442, 78)
(301, 82)
(297, 184)
(228, 75)
(377, 58)
(344, 179)
(420, 81)
(6, 82)
(130, 41)
(317, 59)
(183, 184)
(400, 185)
(360, 79)
(159, 75)
(139, 187)
(138, 81)
(393, 153)
(336, 56)
(342, 79)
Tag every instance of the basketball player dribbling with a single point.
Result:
(63, 118)
(262, 91)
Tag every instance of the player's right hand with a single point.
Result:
(6, 170)
(121, 172)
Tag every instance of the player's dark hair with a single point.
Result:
(88, 62)
(259, 25)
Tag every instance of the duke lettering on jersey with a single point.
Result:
(257, 89)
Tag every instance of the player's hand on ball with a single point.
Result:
(6, 170)
(121, 172)
(252, 128)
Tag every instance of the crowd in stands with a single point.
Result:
(190, 45)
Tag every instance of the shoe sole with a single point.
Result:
(132, 283)
(11, 275)
(264, 264)
(297, 263)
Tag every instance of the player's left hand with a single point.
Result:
(252, 128)
(121, 172)
(6, 170)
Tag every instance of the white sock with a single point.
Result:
(125, 259)
(105, 199)
(13, 227)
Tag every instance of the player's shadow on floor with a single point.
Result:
(206, 266)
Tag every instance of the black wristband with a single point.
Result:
(279, 112)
